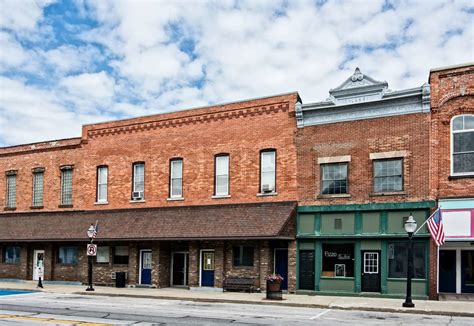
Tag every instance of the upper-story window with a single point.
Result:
(102, 180)
(66, 185)
(38, 185)
(267, 171)
(388, 175)
(334, 178)
(176, 178)
(462, 139)
(221, 187)
(138, 186)
(11, 189)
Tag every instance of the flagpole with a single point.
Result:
(429, 218)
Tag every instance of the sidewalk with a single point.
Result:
(449, 308)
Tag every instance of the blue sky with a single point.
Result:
(68, 63)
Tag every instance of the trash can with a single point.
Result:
(120, 278)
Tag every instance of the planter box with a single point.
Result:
(274, 291)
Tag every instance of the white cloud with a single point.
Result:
(21, 15)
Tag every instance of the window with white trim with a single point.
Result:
(462, 139)
(11, 189)
(66, 186)
(138, 181)
(334, 179)
(371, 262)
(222, 175)
(176, 178)
(267, 171)
(38, 182)
(102, 180)
(388, 175)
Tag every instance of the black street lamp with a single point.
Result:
(410, 227)
(90, 234)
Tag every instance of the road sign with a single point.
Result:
(91, 250)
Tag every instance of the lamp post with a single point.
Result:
(90, 234)
(410, 227)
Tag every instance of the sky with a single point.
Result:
(68, 63)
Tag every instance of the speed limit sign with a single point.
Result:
(91, 250)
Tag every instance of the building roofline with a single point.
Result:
(461, 65)
(41, 142)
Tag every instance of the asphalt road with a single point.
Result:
(48, 308)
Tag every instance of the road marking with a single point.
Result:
(52, 320)
(320, 314)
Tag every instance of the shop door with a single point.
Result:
(145, 266)
(467, 271)
(207, 268)
(447, 271)
(370, 271)
(281, 266)
(38, 265)
(179, 270)
(306, 275)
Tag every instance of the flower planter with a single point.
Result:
(274, 291)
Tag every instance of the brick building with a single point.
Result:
(452, 176)
(363, 168)
(181, 199)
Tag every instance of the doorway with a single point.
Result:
(179, 268)
(467, 271)
(207, 267)
(281, 265)
(306, 274)
(447, 271)
(145, 266)
(38, 265)
(371, 271)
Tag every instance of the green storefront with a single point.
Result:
(361, 249)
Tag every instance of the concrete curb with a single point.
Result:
(288, 304)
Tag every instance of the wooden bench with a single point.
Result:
(239, 284)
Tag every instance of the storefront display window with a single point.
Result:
(398, 260)
(338, 260)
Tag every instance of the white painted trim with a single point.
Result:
(334, 159)
(140, 265)
(185, 267)
(384, 155)
(34, 261)
(458, 271)
(437, 269)
(200, 264)
(451, 146)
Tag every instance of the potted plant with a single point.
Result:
(274, 286)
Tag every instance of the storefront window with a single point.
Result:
(11, 255)
(121, 255)
(398, 260)
(102, 254)
(67, 255)
(338, 260)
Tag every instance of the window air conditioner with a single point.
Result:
(137, 195)
(267, 188)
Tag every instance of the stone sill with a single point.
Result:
(264, 194)
(137, 201)
(175, 198)
(220, 196)
(392, 193)
(65, 206)
(333, 196)
(465, 176)
(9, 208)
(102, 203)
(36, 207)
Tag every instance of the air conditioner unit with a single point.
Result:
(267, 188)
(137, 195)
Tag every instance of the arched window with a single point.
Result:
(462, 145)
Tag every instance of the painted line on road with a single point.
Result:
(51, 320)
(320, 314)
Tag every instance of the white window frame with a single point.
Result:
(10, 193)
(172, 170)
(63, 185)
(452, 145)
(216, 175)
(135, 166)
(36, 203)
(262, 153)
(367, 267)
(102, 183)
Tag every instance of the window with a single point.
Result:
(38, 176)
(138, 186)
(334, 179)
(462, 145)
(11, 189)
(398, 257)
(388, 175)
(267, 171)
(67, 255)
(103, 254)
(338, 260)
(102, 179)
(66, 185)
(338, 223)
(176, 178)
(243, 256)
(222, 175)
(371, 262)
(11, 255)
(121, 255)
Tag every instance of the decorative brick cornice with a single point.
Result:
(11, 172)
(38, 170)
(189, 120)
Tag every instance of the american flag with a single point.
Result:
(96, 229)
(435, 225)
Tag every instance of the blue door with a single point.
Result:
(207, 268)
(146, 267)
(281, 266)
(447, 271)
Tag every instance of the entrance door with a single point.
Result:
(38, 265)
(306, 274)
(281, 266)
(467, 271)
(207, 268)
(370, 271)
(179, 270)
(447, 271)
(145, 266)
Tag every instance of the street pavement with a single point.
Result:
(44, 308)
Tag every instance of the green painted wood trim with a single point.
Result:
(317, 223)
(360, 236)
(384, 267)
(367, 207)
(318, 261)
(297, 266)
(383, 222)
(427, 266)
(357, 266)
(358, 223)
